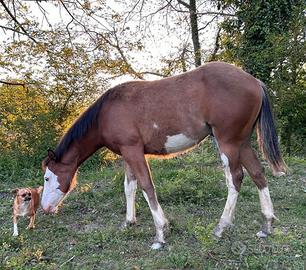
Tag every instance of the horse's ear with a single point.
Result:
(51, 154)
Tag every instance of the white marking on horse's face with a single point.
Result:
(52, 195)
(266, 203)
(155, 125)
(130, 192)
(178, 143)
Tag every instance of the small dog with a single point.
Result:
(26, 203)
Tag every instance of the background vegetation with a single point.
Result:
(57, 57)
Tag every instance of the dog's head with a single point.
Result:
(23, 195)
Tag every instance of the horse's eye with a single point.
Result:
(46, 179)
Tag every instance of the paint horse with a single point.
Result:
(165, 117)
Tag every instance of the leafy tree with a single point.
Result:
(267, 39)
(26, 129)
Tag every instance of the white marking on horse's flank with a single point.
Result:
(178, 143)
(232, 196)
(15, 230)
(130, 193)
(155, 125)
(266, 203)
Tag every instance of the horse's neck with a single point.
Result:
(80, 150)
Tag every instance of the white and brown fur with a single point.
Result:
(166, 117)
(26, 203)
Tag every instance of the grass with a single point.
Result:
(86, 233)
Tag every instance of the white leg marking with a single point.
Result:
(130, 193)
(232, 196)
(160, 221)
(266, 203)
(267, 210)
(15, 230)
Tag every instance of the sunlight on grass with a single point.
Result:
(86, 233)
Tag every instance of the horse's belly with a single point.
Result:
(179, 142)
(162, 143)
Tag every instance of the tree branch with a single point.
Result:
(154, 73)
(12, 29)
(17, 22)
(217, 46)
(12, 83)
(160, 9)
(207, 24)
(217, 13)
(184, 4)
(132, 71)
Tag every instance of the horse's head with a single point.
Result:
(59, 180)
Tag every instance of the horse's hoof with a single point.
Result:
(15, 234)
(127, 224)
(262, 234)
(278, 174)
(217, 232)
(157, 245)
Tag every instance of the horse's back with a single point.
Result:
(174, 113)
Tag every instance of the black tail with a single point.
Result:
(267, 137)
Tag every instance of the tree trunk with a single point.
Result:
(195, 32)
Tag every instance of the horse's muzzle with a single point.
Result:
(49, 210)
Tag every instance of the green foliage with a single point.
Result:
(60, 82)
(267, 39)
(24, 134)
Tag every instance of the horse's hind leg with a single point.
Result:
(130, 186)
(255, 170)
(234, 175)
(134, 157)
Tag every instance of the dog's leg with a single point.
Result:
(15, 226)
(31, 224)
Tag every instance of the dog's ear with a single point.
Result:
(40, 189)
(51, 154)
(15, 191)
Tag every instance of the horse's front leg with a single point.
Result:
(130, 187)
(134, 157)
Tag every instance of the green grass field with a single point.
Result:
(86, 233)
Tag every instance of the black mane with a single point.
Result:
(80, 127)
